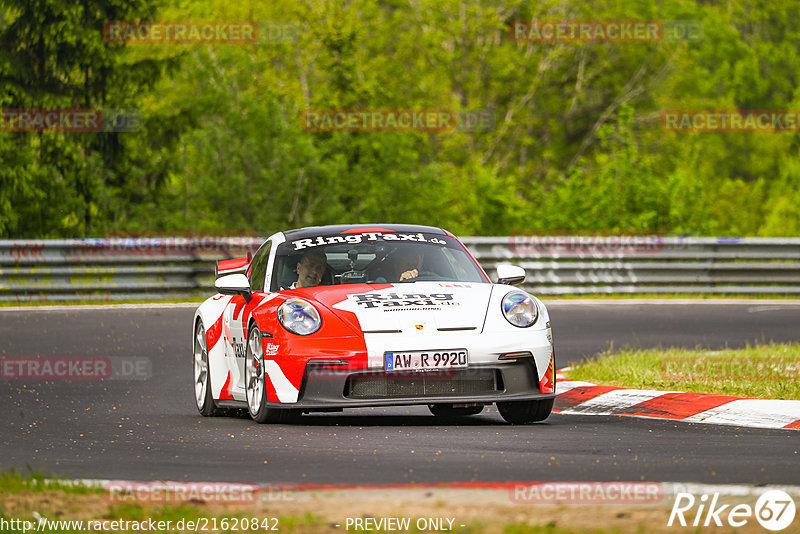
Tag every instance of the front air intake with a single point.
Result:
(445, 383)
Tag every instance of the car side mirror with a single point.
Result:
(510, 274)
(234, 284)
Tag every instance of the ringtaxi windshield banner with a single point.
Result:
(362, 237)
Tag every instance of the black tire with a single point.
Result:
(449, 411)
(202, 375)
(524, 412)
(256, 389)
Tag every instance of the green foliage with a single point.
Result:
(577, 144)
(55, 57)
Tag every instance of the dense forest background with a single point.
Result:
(577, 146)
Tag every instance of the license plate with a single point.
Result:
(422, 360)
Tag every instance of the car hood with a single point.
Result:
(416, 307)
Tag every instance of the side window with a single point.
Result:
(258, 267)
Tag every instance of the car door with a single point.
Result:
(236, 317)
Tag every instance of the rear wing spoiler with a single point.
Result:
(232, 266)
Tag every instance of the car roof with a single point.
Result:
(311, 231)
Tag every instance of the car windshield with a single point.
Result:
(372, 258)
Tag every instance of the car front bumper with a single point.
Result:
(326, 387)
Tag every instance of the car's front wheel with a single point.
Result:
(256, 389)
(522, 412)
(202, 375)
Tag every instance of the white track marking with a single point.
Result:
(756, 413)
(562, 386)
(608, 403)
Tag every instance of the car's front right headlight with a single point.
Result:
(520, 309)
(299, 317)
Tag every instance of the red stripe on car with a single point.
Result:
(547, 383)
(227, 389)
(272, 394)
(367, 230)
(213, 334)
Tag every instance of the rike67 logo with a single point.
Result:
(774, 510)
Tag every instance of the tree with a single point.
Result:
(55, 57)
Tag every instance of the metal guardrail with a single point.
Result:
(173, 267)
(559, 265)
(114, 268)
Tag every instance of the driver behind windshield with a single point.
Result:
(310, 269)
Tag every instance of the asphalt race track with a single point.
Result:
(150, 429)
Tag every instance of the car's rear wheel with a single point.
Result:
(256, 389)
(522, 412)
(202, 375)
(448, 410)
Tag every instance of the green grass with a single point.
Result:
(34, 496)
(770, 371)
(13, 481)
(40, 492)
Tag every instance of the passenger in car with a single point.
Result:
(408, 265)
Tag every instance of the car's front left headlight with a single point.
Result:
(299, 317)
(519, 309)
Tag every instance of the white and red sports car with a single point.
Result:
(334, 317)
